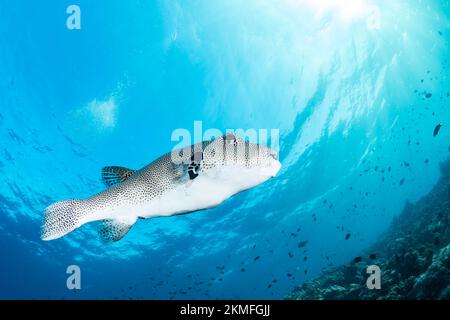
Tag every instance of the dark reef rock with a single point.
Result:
(413, 255)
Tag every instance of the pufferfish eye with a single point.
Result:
(273, 155)
(230, 138)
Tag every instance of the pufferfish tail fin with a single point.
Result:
(61, 218)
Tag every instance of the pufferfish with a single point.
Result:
(186, 180)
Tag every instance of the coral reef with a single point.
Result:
(413, 255)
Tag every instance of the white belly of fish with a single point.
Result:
(206, 191)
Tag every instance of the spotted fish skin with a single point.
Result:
(194, 178)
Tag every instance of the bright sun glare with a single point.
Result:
(346, 10)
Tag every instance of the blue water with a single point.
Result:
(347, 83)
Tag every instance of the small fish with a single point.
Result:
(303, 244)
(256, 258)
(357, 259)
(437, 129)
(347, 236)
(198, 177)
(373, 256)
(436, 241)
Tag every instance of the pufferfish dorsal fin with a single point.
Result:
(113, 230)
(115, 175)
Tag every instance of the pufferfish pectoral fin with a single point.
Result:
(114, 230)
(114, 175)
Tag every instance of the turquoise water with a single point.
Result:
(356, 89)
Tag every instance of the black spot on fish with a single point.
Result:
(437, 129)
